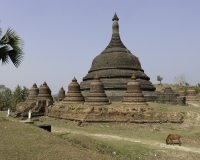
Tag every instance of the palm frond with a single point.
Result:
(4, 54)
(15, 57)
(11, 38)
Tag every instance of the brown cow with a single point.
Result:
(172, 137)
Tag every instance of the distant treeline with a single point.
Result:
(9, 99)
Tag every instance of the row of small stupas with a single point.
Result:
(41, 93)
(96, 95)
(167, 95)
(191, 94)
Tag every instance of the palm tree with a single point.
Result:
(11, 46)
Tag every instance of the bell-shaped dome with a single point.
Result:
(33, 93)
(74, 94)
(134, 94)
(61, 94)
(96, 96)
(44, 93)
(115, 66)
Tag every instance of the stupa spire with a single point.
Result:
(115, 26)
(115, 42)
(115, 17)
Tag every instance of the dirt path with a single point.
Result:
(147, 142)
(196, 105)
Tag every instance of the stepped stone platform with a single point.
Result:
(116, 112)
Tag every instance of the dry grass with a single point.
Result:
(25, 142)
(102, 140)
(159, 87)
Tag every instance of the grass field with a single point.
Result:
(102, 140)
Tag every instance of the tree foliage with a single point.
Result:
(5, 97)
(11, 46)
(9, 99)
(159, 78)
(19, 95)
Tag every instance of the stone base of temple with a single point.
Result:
(116, 112)
(117, 95)
(37, 108)
(150, 96)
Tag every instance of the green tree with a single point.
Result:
(11, 46)
(19, 95)
(159, 78)
(24, 93)
(16, 98)
(5, 98)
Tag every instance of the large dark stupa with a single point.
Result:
(115, 67)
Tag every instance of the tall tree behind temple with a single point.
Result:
(19, 95)
(24, 93)
(11, 46)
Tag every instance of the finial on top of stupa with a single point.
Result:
(115, 17)
(115, 26)
(133, 77)
(34, 85)
(74, 79)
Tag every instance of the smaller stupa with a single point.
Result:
(168, 96)
(97, 95)
(134, 95)
(191, 94)
(181, 92)
(33, 93)
(61, 94)
(44, 93)
(74, 94)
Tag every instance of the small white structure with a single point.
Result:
(29, 114)
(29, 118)
(8, 115)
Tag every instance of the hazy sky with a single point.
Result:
(62, 37)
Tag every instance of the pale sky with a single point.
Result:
(62, 37)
